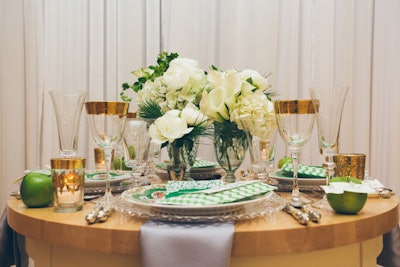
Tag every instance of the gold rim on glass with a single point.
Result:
(302, 106)
(107, 108)
(68, 163)
(353, 158)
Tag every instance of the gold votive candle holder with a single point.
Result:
(68, 175)
(350, 165)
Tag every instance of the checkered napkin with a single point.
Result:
(304, 171)
(177, 188)
(227, 194)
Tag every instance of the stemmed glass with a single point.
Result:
(107, 123)
(153, 159)
(136, 143)
(329, 102)
(295, 120)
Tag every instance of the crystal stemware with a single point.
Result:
(261, 141)
(153, 159)
(68, 109)
(295, 120)
(328, 102)
(107, 123)
(136, 143)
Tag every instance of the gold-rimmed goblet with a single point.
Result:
(107, 123)
(295, 121)
(329, 102)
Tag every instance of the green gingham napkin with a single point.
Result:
(230, 193)
(303, 171)
(177, 188)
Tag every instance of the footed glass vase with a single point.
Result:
(182, 154)
(230, 145)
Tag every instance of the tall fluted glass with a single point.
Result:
(329, 103)
(107, 123)
(68, 109)
(295, 120)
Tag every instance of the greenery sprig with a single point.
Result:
(150, 73)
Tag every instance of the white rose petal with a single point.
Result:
(193, 115)
(180, 70)
(169, 127)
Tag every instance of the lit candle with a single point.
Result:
(68, 182)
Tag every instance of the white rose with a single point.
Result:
(180, 70)
(169, 127)
(193, 116)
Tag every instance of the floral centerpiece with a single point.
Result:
(237, 101)
(169, 94)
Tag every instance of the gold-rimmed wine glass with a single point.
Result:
(295, 121)
(107, 123)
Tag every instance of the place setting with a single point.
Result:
(131, 179)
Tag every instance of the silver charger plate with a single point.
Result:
(262, 206)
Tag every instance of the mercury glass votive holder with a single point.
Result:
(350, 165)
(68, 175)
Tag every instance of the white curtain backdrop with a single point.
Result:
(93, 46)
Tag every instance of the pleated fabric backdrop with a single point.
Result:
(94, 45)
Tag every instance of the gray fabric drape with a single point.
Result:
(12, 245)
(390, 255)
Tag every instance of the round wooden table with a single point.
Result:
(65, 239)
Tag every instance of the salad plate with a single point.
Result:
(97, 178)
(311, 181)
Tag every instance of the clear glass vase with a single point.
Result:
(230, 145)
(182, 154)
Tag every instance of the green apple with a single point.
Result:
(37, 190)
(284, 160)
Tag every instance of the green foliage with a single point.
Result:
(151, 73)
(150, 110)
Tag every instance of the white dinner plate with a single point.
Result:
(302, 181)
(97, 178)
(147, 196)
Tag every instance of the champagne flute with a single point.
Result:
(295, 120)
(329, 102)
(107, 123)
(68, 109)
